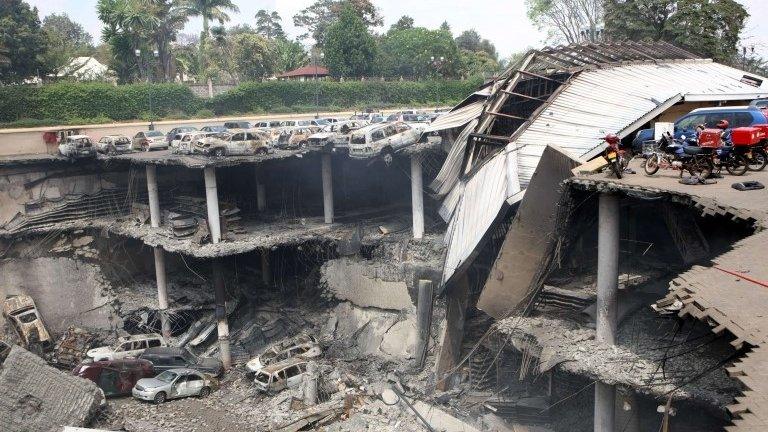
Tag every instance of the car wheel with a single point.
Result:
(219, 152)
(112, 151)
(159, 398)
(263, 150)
(204, 392)
(302, 144)
(145, 147)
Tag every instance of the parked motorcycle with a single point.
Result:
(717, 142)
(617, 157)
(750, 143)
(677, 154)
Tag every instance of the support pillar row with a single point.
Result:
(159, 253)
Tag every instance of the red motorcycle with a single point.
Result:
(615, 155)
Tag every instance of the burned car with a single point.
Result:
(382, 139)
(295, 138)
(127, 346)
(166, 358)
(113, 144)
(184, 143)
(302, 346)
(77, 146)
(115, 377)
(22, 313)
(335, 135)
(280, 376)
(172, 384)
(234, 143)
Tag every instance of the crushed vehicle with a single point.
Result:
(280, 376)
(295, 138)
(113, 144)
(382, 139)
(77, 146)
(149, 140)
(170, 136)
(302, 346)
(127, 346)
(71, 348)
(22, 313)
(238, 142)
(115, 377)
(166, 358)
(184, 143)
(335, 135)
(172, 384)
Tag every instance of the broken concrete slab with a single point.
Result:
(373, 331)
(367, 284)
(36, 397)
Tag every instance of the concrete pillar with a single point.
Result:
(266, 272)
(423, 320)
(607, 290)
(212, 200)
(261, 192)
(456, 302)
(154, 221)
(220, 296)
(417, 197)
(154, 197)
(327, 188)
(310, 384)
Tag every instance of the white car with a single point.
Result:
(301, 346)
(335, 134)
(383, 139)
(234, 142)
(77, 146)
(172, 384)
(150, 140)
(113, 144)
(184, 142)
(128, 346)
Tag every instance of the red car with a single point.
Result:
(115, 377)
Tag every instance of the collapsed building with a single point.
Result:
(515, 291)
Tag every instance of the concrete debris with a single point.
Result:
(367, 284)
(372, 332)
(71, 348)
(29, 402)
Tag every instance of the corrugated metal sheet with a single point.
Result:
(456, 118)
(449, 172)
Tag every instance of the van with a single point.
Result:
(280, 376)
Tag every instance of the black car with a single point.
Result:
(165, 358)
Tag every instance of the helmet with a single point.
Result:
(723, 124)
(612, 138)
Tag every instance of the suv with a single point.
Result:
(737, 116)
(301, 346)
(167, 358)
(279, 376)
(127, 346)
(335, 134)
(234, 143)
(183, 143)
(382, 139)
(22, 313)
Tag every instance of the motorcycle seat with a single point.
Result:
(692, 150)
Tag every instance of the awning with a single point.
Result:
(457, 118)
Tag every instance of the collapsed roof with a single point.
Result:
(568, 96)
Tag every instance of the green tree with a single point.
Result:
(290, 55)
(470, 40)
(70, 34)
(171, 16)
(710, 28)
(24, 40)
(405, 22)
(209, 10)
(408, 53)
(323, 13)
(254, 56)
(571, 21)
(268, 24)
(349, 48)
(478, 63)
(445, 26)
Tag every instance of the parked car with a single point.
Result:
(280, 376)
(115, 377)
(238, 124)
(184, 143)
(166, 358)
(328, 120)
(213, 129)
(77, 146)
(301, 346)
(335, 135)
(382, 139)
(178, 130)
(234, 143)
(265, 125)
(149, 140)
(173, 384)
(21, 312)
(127, 346)
(113, 144)
(408, 118)
(737, 116)
(298, 123)
(293, 138)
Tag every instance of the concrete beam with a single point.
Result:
(222, 326)
(154, 197)
(450, 350)
(423, 320)
(327, 188)
(417, 197)
(162, 291)
(212, 201)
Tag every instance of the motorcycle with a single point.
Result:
(750, 143)
(717, 142)
(615, 155)
(679, 155)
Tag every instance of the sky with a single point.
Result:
(503, 22)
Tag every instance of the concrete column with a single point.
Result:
(261, 192)
(417, 197)
(154, 197)
(266, 272)
(212, 200)
(423, 320)
(327, 188)
(607, 290)
(162, 291)
(220, 296)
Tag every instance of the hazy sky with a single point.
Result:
(504, 22)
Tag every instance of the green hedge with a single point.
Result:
(93, 102)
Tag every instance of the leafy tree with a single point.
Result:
(254, 56)
(290, 55)
(708, 27)
(408, 53)
(470, 40)
(209, 10)
(405, 22)
(445, 26)
(70, 34)
(478, 63)
(318, 17)
(349, 48)
(4, 59)
(23, 38)
(268, 25)
(571, 21)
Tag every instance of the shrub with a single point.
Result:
(204, 113)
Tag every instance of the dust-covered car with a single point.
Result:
(383, 139)
(127, 346)
(242, 142)
(21, 312)
(77, 146)
(173, 384)
(280, 376)
(184, 143)
(113, 144)
(295, 138)
(150, 140)
(335, 135)
(166, 358)
(302, 346)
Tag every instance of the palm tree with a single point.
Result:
(209, 9)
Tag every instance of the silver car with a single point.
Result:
(172, 384)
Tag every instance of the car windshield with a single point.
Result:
(358, 139)
(153, 133)
(262, 378)
(322, 122)
(167, 376)
(122, 140)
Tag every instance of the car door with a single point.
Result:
(123, 350)
(179, 387)
(279, 382)
(136, 142)
(194, 384)
(294, 376)
(236, 143)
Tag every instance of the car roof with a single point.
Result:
(139, 337)
(184, 371)
(276, 367)
(165, 350)
(114, 136)
(77, 136)
(724, 108)
(107, 363)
